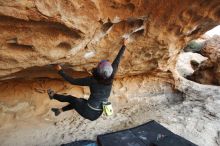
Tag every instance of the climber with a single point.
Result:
(100, 84)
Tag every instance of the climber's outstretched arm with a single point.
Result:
(80, 81)
(118, 58)
(87, 81)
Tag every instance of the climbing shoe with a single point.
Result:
(51, 93)
(56, 111)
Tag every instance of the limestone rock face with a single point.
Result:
(78, 34)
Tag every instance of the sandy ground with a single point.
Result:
(27, 120)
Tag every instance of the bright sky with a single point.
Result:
(215, 30)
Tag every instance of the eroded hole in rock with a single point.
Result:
(13, 44)
(21, 47)
(195, 31)
(136, 28)
(135, 23)
(131, 7)
(60, 50)
(194, 64)
(74, 33)
(44, 27)
(12, 41)
(64, 45)
(106, 26)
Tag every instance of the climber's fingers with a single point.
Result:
(57, 67)
(125, 41)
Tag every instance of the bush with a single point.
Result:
(194, 46)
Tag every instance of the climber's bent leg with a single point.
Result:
(65, 98)
(68, 107)
(79, 104)
(57, 111)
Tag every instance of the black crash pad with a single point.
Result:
(149, 134)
